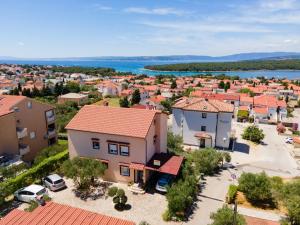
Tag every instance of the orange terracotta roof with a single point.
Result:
(257, 221)
(54, 213)
(113, 120)
(200, 104)
(261, 110)
(246, 99)
(203, 135)
(7, 102)
(157, 99)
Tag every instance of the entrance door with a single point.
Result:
(138, 176)
(202, 143)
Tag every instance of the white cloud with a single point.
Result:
(275, 5)
(202, 26)
(155, 11)
(20, 43)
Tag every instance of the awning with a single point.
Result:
(137, 166)
(124, 164)
(202, 135)
(165, 163)
(104, 161)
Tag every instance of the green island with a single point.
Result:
(230, 66)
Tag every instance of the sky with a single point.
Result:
(83, 28)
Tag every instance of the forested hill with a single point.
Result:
(230, 66)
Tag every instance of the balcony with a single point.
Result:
(50, 119)
(51, 133)
(24, 149)
(21, 132)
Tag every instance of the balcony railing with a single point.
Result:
(50, 119)
(51, 133)
(21, 132)
(24, 149)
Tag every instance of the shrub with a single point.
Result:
(243, 114)
(166, 216)
(225, 216)
(112, 191)
(207, 160)
(32, 206)
(175, 143)
(231, 194)
(256, 187)
(181, 195)
(120, 200)
(253, 133)
(144, 223)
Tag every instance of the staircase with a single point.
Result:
(136, 189)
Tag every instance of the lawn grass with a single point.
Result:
(114, 102)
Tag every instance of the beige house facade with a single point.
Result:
(26, 126)
(126, 140)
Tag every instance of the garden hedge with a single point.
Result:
(48, 165)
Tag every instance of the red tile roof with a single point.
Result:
(54, 213)
(7, 102)
(261, 110)
(113, 120)
(168, 164)
(257, 221)
(200, 104)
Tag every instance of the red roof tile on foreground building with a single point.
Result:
(257, 221)
(7, 102)
(54, 213)
(203, 105)
(111, 120)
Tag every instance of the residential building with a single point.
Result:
(203, 122)
(26, 126)
(131, 142)
(268, 108)
(80, 99)
(54, 213)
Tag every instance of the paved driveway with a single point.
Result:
(273, 156)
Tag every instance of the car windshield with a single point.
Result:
(163, 181)
(58, 181)
(41, 192)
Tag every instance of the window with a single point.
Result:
(32, 135)
(113, 149)
(204, 115)
(203, 128)
(124, 150)
(29, 105)
(96, 144)
(154, 139)
(125, 171)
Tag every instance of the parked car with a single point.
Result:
(289, 140)
(54, 182)
(164, 181)
(30, 193)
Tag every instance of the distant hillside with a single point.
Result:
(189, 58)
(230, 66)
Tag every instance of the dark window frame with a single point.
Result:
(121, 171)
(204, 130)
(96, 140)
(204, 115)
(122, 145)
(109, 152)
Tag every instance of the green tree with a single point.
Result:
(221, 85)
(136, 97)
(73, 87)
(120, 199)
(167, 104)
(83, 171)
(173, 84)
(206, 161)
(253, 133)
(256, 187)
(293, 208)
(181, 195)
(174, 143)
(124, 102)
(227, 86)
(225, 216)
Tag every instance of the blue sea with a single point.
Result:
(137, 67)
